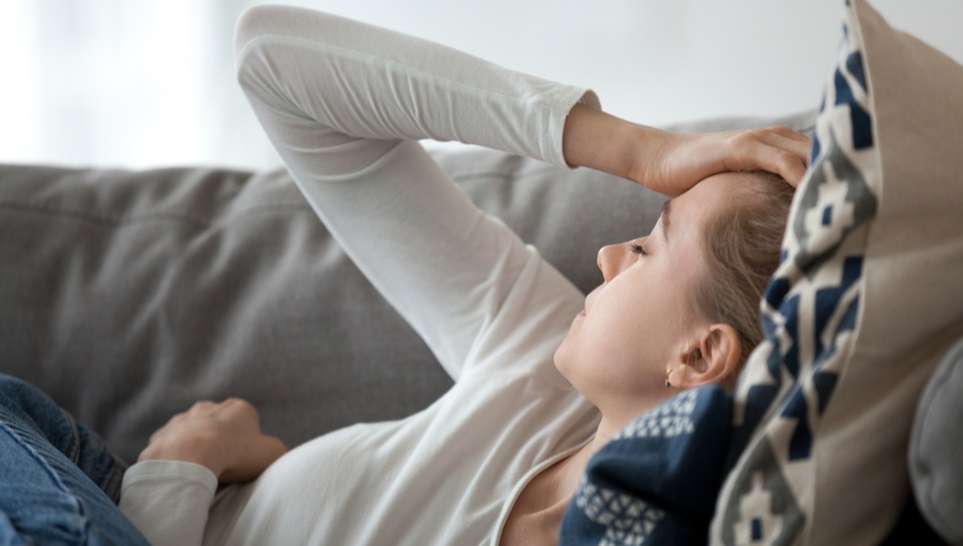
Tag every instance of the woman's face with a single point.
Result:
(640, 322)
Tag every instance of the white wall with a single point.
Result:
(150, 82)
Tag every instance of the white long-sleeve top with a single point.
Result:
(343, 103)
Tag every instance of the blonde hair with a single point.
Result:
(741, 250)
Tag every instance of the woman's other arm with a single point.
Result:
(168, 493)
(224, 437)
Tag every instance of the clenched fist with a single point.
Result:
(223, 436)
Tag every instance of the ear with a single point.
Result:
(716, 359)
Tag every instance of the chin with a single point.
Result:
(558, 359)
(567, 368)
(562, 363)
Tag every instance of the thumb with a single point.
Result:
(258, 454)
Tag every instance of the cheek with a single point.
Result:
(610, 350)
(629, 336)
(635, 319)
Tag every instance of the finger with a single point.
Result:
(269, 449)
(799, 147)
(791, 169)
(258, 455)
(274, 448)
(756, 155)
(783, 139)
(782, 153)
(784, 131)
(792, 162)
(788, 165)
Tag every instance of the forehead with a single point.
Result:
(712, 192)
(688, 212)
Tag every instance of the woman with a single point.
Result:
(496, 459)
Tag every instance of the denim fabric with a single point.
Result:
(58, 482)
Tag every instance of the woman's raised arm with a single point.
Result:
(343, 103)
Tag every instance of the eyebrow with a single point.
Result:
(666, 208)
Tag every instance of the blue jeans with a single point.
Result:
(58, 482)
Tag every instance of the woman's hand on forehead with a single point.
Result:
(671, 163)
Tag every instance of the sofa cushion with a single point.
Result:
(936, 448)
(130, 295)
(864, 305)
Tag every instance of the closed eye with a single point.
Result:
(639, 249)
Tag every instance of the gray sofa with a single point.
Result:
(130, 295)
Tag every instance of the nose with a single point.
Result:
(613, 259)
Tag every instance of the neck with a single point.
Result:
(558, 483)
(538, 511)
(618, 414)
(570, 470)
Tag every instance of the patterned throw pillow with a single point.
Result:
(867, 300)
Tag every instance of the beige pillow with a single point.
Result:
(866, 302)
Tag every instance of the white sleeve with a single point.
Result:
(343, 102)
(168, 501)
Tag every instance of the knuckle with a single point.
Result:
(235, 401)
(241, 405)
(787, 158)
(201, 405)
(744, 138)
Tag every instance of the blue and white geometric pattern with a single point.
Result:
(810, 312)
(667, 420)
(811, 303)
(628, 521)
